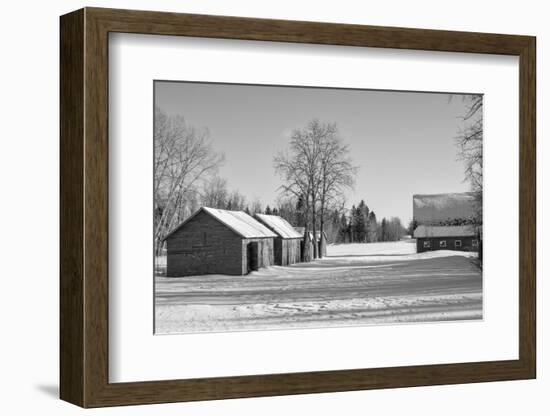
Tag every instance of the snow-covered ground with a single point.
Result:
(356, 284)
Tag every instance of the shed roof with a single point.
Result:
(424, 231)
(238, 221)
(279, 225)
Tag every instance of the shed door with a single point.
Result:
(252, 256)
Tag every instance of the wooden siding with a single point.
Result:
(287, 251)
(204, 246)
(265, 253)
(467, 244)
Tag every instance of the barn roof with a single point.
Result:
(279, 225)
(238, 221)
(441, 207)
(423, 231)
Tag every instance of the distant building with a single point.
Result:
(322, 247)
(287, 244)
(461, 237)
(215, 241)
(445, 222)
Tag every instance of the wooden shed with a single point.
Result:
(287, 248)
(446, 222)
(215, 241)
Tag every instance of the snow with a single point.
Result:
(241, 222)
(279, 225)
(356, 284)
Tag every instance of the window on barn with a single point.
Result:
(427, 244)
(458, 243)
(475, 243)
(442, 244)
(204, 239)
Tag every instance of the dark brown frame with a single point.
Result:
(84, 211)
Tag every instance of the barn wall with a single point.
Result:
(266, 253)
(466, 244)
(279, 255)
(287, 251)
(293, 251)
(204, 246)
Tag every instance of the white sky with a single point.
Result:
(403, 142)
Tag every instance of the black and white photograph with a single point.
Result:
(291, 207)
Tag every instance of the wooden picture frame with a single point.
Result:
(84, 207)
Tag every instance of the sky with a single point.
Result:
(403, 142)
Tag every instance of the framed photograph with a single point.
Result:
(254, 207)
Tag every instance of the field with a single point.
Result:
(356, 284)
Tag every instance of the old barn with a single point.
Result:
(215, 241)
(445, 222)
(430, 237)
(287, 244)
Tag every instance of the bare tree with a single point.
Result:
(256, 207)
(183, 158)
(214, 193)
(316, 169)
(236, 201)
(292, 170)
(470, 148)
(337, 172)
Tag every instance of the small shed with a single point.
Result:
(287, 249)
(462, 238)
(216, 241)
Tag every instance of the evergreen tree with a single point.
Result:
(343, 229)
(300, 215)
(353, 224)
(412, 226)
(268, 210)
(359, 224)
(373, 228)
(383, 230)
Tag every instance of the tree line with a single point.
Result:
(362, 226)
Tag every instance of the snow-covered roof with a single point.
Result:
(441, 207)
(239, 221)
(279, 225)
(423, 231)
(300, 230)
